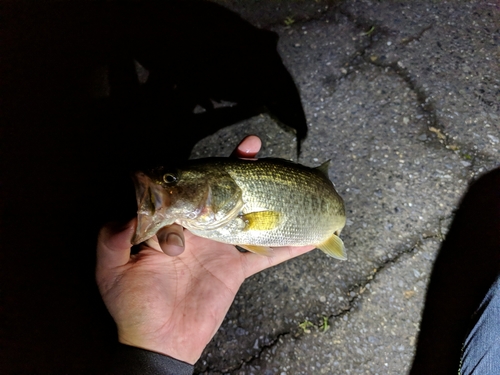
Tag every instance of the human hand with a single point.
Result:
(175, 304)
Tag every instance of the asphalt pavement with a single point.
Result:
(404, 98)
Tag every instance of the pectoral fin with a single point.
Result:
(261, 250)
(262, 220)
(334, 247)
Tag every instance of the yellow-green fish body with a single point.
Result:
(256, 204)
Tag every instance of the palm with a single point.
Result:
(175, 304)
(201, 282)
(184, 298)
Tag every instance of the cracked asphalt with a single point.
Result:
(404, 98)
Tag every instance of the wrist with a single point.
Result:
(129, 360)
(182, 350)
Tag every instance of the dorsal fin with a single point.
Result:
(323, 168)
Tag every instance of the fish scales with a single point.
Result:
(281, 203)
(301, 195)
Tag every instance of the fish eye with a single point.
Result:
(169, 178)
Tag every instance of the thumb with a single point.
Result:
(113, 246)
(171, 239)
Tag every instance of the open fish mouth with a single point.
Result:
(152, 203)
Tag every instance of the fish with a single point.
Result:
(254, 204)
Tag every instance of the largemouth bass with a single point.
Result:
(255, 204)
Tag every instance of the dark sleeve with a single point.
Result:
(129, 360)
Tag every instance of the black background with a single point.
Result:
(66, 156)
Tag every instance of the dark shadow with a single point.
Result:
(75, 121)
(467, 265)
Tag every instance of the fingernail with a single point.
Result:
(175, 240)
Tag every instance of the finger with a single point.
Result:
(248, 147)
(114, 244)
(255, 263)
(171, 239)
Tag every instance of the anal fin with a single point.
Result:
(261, 250)
(333, 247)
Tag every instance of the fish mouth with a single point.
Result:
(152, 203)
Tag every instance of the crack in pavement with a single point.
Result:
(424, 101)
(361, 287)
(416, 37)
(464, 150)
(354, 297)
(434, 129)
(434, 126)
(356, 291)
(272, 342)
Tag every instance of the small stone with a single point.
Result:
(256, 344)
(198, 109)
(493, 138)
(422, 137)
(409, 293)
(240, 331)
